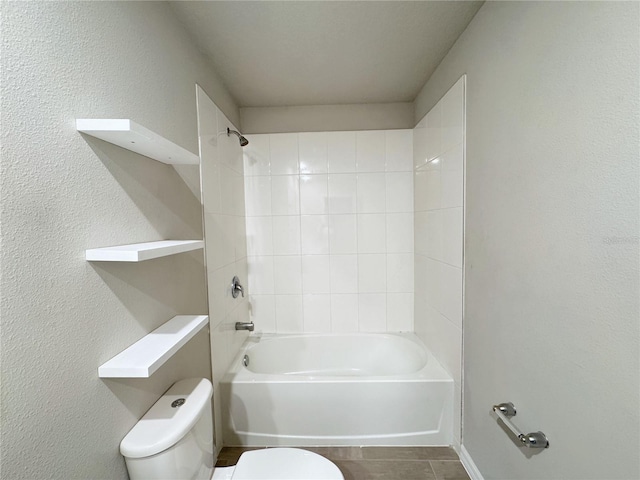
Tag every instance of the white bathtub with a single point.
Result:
(336, 389)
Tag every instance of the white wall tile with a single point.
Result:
(259, 236)
(439, 197)
(420, 143)
(425, 321)
(450, 346)
(239, 208)
(372, 233)
(399, 192)
(228, 223)
(344, 313)
(242, 271)
(370, 151)
(313, 152)
(213, 237)
(343, 234)
(240, 314)
(372, 312)
(315, 274)
(263, 312)
(286, 235)
(452, 294)
(326, 191)
(256, 156)
(420, 190)
(285, 195)
(372, 273)
(217, 284)
(344, 274)
(341, 152)
(434, 238)
(419, 286)
(258, 196)
(342, 193)
(400, 272)
(433, 284)
(229, 150)
(420, 275)
(433, 188)
(399, 232)
(313, 194)
(452, 236)
(240, 242)
(317, 313)
(400, 312)
(420, 233)
(220, 347)
(371, 193)
(433, 132)
(284, 153)
(231, 186)
(287, 274)
(452, 181)
(210, 169)
(452, 117)
(315, 234)
(289, 313)
(239, 199)
(399, 150)
(260, 276)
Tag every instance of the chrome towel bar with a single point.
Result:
(505, 411)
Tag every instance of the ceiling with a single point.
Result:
(288, 53)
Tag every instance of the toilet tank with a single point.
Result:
(174, 439)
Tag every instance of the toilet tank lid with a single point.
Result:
(164, 425)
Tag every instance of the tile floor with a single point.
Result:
(380, 463)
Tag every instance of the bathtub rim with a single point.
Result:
(237, 373)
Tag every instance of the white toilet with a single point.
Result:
(174, 441)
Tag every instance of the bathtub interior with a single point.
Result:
(336, 355)
(330, 405)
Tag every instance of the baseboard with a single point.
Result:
(469, 464)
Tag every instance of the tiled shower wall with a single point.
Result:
(330, 231)
(225, 246)
(439, 195)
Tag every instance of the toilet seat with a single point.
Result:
(285, 464)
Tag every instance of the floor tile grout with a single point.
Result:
(433, 471)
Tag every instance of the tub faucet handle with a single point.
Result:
(236, 288)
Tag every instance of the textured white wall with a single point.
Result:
(330, 231)
(327, 118)
(226, 240)
(552, 221)
(61, 193)
(438, 152)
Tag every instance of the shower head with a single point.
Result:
(243, 141)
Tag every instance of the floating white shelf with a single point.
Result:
(127, 134)
(148, 354)
(139, 252)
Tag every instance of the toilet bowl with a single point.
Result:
(284, 464)
(174, 441)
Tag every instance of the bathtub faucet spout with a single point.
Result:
(245, 326)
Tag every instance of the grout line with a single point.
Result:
(436, 260)
(433, 470)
